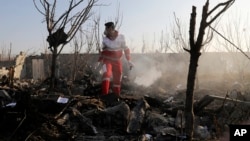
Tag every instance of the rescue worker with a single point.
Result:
(113, 47)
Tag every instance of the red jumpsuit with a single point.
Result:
(112, 64)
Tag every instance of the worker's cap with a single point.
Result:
(109, 24)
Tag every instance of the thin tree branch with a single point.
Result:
(34, 1)
(226, 5)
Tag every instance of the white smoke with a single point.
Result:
(148, 77)
(146, 71)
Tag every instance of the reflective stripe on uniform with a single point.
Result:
(106, 78)
(116, 85)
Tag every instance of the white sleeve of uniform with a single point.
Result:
(123, 42)
(104, 44)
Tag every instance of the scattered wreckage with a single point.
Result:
(75, 111)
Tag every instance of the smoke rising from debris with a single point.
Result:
(146, 71)
(171, 69)
(148, 77)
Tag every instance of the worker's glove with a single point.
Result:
(130, 64)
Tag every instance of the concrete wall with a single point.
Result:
(20, 69)
(19, 66)
(173, 66)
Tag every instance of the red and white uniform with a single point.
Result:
(111, 56)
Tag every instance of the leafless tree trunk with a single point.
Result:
(9, 52)
(58, 37)
(195, 47)
(164, 42)
(143, 50)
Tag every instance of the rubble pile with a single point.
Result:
(75, 111)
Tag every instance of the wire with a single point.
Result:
(230, 42)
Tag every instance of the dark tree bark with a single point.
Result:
(54, 40)
(53, 68)
(195, 47)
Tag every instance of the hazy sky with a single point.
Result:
(21, 24)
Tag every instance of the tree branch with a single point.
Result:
(226, 6)
(192, 27)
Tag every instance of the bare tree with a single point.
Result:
(165, 42)
(118, 18)
(77, 44)
(195, 48)
(9, 51)
(6, 52)
(97, 32)
(153, 44)
(234, 39)
(91, 40)
(62, 29)
(179, 38)
(143, 50)
(235, 32)
(3, 52)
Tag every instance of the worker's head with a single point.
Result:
(109, 28)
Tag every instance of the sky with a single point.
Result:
(23, 29)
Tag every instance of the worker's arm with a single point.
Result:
(127, 53)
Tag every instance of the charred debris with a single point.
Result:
(75, 111)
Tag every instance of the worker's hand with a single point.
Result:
(130, 64)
